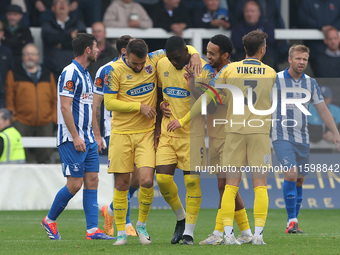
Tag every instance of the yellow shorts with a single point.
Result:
(177, 150)
(247, 149)
(125, 150)
(216, 146)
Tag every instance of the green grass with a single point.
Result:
(21, 233)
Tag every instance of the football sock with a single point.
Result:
(132, 190)
(247, 232)
(228, 207)
(120, 205)
(298, 199)
(189, 229)
(241, 219)
(128, 210)
(121, 233)
(59, 203)
(258, 231)
(141, 223)
(219, 221)
(193, 198)
(289, 195)
(218, 233)
(90, 205)
(110, 209)
(145, 197)
(169, 191)
(260, 206)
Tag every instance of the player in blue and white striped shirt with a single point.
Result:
(290, 132)
(77, 147)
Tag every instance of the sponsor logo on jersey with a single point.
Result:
(149, 69)
(129, 77)
(106, 79)
(176, 92)
(141, 89)
(69, 86)
(166, 74)
(99, 83)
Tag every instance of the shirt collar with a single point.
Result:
(81, 69)
(62, 24)
(332, 53)
(29, 74)
(286, 74)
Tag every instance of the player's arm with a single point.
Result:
(195, 65)
(97, 102)
(327, 118)
(65, 103)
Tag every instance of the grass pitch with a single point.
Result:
(21, 233)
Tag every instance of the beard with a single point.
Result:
(29, 64)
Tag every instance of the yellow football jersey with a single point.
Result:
(248, 73)
(134, 87)
(176, 91)
(220, 113)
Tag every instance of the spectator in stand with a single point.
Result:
(126, 13)
(57, 35)
(147, 4)
(171, 16)
(318, 14)
(16, 35)
(6, 64)
(211, 16)
(252, 21)
(31, 94)
(11, 149)
(106, 51)
(192, 6)
(90, 11)
(317, 128)
(44, 9)
(328, 62)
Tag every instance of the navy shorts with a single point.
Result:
(76, 163)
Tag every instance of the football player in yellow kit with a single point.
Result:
(131, 95)
(175, 149)
(244, 143)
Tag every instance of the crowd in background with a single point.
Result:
(27, 87)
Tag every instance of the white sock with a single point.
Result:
(229, 230)
(127, 224)
(141, 223)
(189, 229)
(290, 220)
(258, 231)
(121, 233)
(247, 232)
(92, 230)
(110, 211)
(49, 221)
(180, 214)
(217, 233)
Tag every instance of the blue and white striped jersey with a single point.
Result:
(76, 82)
(102, 79)
(294, 126)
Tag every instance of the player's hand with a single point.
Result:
(79, 144)
(173, 125)
(148, 111)
(337, 141)
(195, 65)
(165, 109)
(100, 143)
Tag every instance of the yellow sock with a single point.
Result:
(169, 190)
(260, 206)
(193, 198)
(145, 198)
(228, 205)
(241, 219)
(120, 206)
(219, 221)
